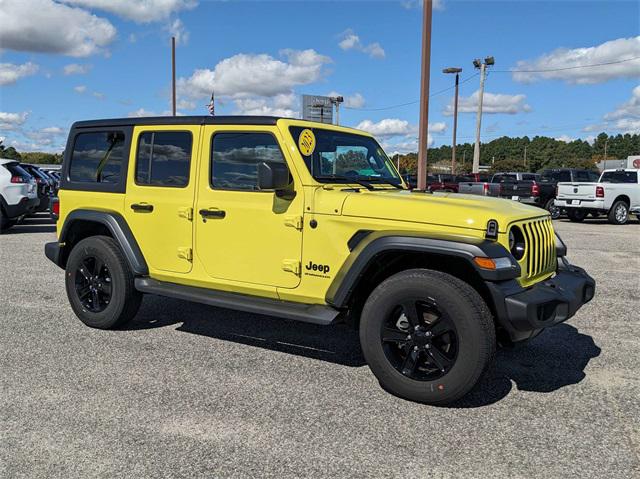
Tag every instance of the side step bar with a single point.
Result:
(308, 313)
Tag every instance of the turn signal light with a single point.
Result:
(485, 263)
(599, 192)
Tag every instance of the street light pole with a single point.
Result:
(423, 136)
(483, 70)
(455, 116)
(173, 75)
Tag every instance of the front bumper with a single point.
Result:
(523, 313)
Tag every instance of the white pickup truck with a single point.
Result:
(616, 194)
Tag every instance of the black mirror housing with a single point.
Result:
(272, 176)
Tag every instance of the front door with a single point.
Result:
(160, 195)
(242, 233)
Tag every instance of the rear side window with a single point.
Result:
(235, 158)
(593, 176)
(16, 170)
(583, 176)
(97, 157)
(619, 177)
(164, 158)
(529, 177)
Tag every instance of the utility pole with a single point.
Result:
(606, 142)
(525, 155)
(455, 116)
(336, 100)
(173, 75)
(483, 71)
(423, 136)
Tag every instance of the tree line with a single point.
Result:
(35, 157)
(508, 154)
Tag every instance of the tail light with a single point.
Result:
(535, 189)
(55, 207)
(18, 179)
(599, 192)
(485, 188)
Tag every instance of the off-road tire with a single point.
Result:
(576, 215)
(124, 299)
(554, 210)
(614, 216)
(473, 324)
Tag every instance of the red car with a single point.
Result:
(444, 182)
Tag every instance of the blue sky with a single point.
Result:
(65, 60)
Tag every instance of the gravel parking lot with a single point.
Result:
(195, 391)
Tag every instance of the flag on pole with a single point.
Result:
(211, 106)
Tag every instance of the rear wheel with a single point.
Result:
(577, 216)
(427, 336)
(100, 285)
(619, 213)
(553, 209)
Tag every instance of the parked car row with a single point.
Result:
(616, 193)
(24, 190)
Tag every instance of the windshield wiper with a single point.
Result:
(348, 179)
(380, 179)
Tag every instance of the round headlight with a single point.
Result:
(516, 243)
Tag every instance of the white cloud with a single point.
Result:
(11, 73)
(141, 112)
(10, 121)
(176, 29)
(611, 51)
(182, 104)
(99, 95)
(80, 89)
(247, 75)
(491, 103)
(45, 136)
(76, 69)
(625, 118)
(565, 138)
(44, 26)
(140, 11)
(260, 106)
(351, 41)
(387, 127)
(390, 127)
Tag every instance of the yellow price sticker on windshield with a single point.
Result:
(307, 142)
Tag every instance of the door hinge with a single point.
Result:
(186, 213)
(185, 253)
(292, 266)
(294, 222)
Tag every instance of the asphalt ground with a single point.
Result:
(194, 391)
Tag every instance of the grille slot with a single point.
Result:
(540, 244)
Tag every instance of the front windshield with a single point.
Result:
(339, 157)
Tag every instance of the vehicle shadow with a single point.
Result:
(551, 361)
(336, 344)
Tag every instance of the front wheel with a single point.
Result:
(619, 213)
(100, 284)
(427, 336)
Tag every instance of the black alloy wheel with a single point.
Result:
(420, 340)
(93, 284)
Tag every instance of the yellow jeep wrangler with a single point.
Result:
(310, 222)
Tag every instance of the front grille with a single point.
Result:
(540, 258)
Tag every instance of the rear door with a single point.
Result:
(160, 194)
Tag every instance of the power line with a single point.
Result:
(391, 107)
(568, 68)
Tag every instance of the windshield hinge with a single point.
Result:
(294, 222)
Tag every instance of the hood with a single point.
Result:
(446, 209)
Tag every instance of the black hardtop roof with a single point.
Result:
(180, 120)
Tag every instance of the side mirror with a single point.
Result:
(273, 176)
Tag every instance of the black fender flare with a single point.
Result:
(119, 229)
(375, 243)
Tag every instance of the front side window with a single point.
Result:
(97, 157)
(235, 158)
(339, 157)
(164, 158)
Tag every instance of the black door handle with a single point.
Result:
(143, 207)
(218, 214)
